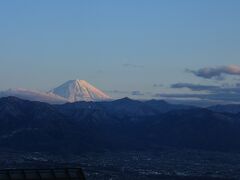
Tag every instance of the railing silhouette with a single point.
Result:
(42, 174)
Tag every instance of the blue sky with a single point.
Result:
(124, 47)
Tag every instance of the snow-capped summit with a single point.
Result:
(79, 90)
(71, 91)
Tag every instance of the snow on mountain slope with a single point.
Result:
(34, 96)
(79, 90)
(71, 91)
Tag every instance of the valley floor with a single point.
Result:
(134, 165)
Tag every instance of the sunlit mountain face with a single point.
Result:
(80, 90)
(71, 91)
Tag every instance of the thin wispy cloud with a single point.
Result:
(133, 93)
(205, 92)
(137, 93)
(117, 92)
(195, 87)
(157, 85)
(217, 97)
(217, 72)
(129, 65)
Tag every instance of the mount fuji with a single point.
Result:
(79, 90)
(70, 91)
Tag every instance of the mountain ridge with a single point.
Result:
(70, 91)
(93, 126)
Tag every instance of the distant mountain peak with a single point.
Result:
(70, 91)
(79, 90)
(126, 100)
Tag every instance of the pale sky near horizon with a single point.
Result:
(127, 47)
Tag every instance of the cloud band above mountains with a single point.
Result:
(195, 87)
(205, 92)
(217, 72)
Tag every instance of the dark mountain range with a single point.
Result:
(123, 107)
(196, 128)
(27, 125)
(230, 108)
(123, 124)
